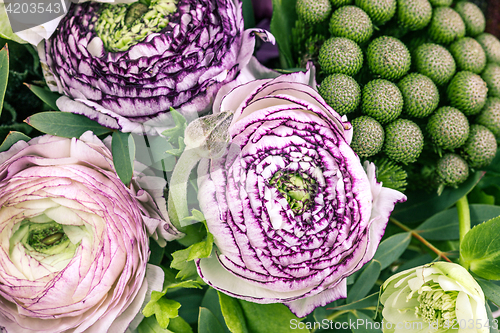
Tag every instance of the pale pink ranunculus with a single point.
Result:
(73, 238)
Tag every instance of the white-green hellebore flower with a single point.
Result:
(438, 297)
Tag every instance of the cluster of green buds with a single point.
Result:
(419, 81)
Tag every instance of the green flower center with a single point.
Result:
(48, 242)
(437, 305)
(298, 189)
(121, 26)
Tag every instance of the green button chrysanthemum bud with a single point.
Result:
(341, 92)
(439, 3)
(452, 170)
(340, 3)
(121, 26)
(388, 57)
(313, 11)
(448, 127)
(434, 61)
(446, 25)
(491, 75)
(414, 14)
(491, 46)
(469, 55)
(472, 16)
(368, 136)
(490, 116)
(382, 100)
(351, 22)
(420, 95)
(433, 297)
(404, 141)
(467, 92)
(380, 11)
(340, 55)
(480, 148)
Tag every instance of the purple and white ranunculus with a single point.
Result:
(73, 239)
(126, 65)
(292, 210)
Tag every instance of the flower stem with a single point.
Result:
(463, 222)
(421, 239)
(177, 196)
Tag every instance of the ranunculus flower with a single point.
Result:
(126, 65)
(440, 296)
(292, 210)
(73, 239)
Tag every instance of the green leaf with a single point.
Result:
(421, 205)
(177, 151)
(64, 124)
(178, 130)
(12, 138)
(150, 325)
(365, 282)
(163, 308)
(248, 14)
(365, 323)
(444, 225)
(367, 302)
(233, 314)
(45, 95)
(265, 318)
(490, 290)
(493, 323)
(183, 259)
(392, 248)
(179, 325)
(208, 323)
(201, 249)
(480, 249)
(211, 302)
(5, 28)
(123, 150)
(4, 73)
(282, 22)
(415, 262)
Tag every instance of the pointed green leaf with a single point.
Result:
(178, 130)
(365, 282)
(265, 318)
(179, 325)
(123, 150)
(5, 28)
(12, 138)
(391, 248)
(150, 325)
(163, 308)
(4, 73)
(421, 205)
(233, 313)
(444, 225)
(211, 302)
(480, 249)
(208, 323)
(490, 290)
(282, 22)
(65, 124)
(367, 302)
(187, 269)
(201, 249)
(493, 323)
(45, 95)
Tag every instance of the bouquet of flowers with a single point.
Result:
(249, 166)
